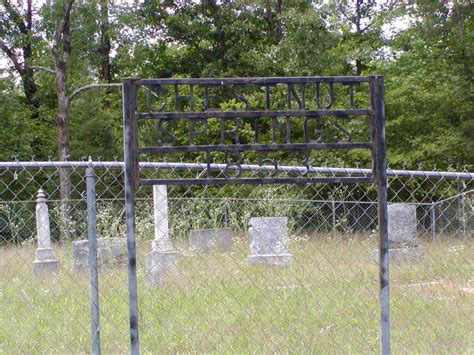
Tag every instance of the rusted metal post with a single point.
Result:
(129, 125)
(380, 174)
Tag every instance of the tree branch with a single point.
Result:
(15, 16)
(29, 15)
(13, 57)
(92, 86)
(63, 25)
(49, 70)
(62, 36)
(366, 27)
(350, 19)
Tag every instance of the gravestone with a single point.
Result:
(402, 238)
(269, 241)
(204, 240)
(109, 250)
(45, 260)
(161, 262)
(402, 226)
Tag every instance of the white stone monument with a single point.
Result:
(45, 261)
(162, 260)
(269, 241)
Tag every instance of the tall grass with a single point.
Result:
(326, 301)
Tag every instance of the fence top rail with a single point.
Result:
(256, 80)
(16, 165)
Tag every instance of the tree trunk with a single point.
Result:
(64, 174)
(279, 25)
(459, 18)
(358, 16)
(62, 123)
(29, 82)
(62, 118)
(29, 88)
(274, 25)
(105, 46)
(105, 73)
(60, 54)
(23, 66)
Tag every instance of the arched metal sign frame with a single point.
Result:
(185, 90)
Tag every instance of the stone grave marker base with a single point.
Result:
(400, 254)
(46, 268)
(159, 266)
(270, 259)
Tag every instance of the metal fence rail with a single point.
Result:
(464, 175)
(325, 300)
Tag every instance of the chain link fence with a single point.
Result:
(217, 297)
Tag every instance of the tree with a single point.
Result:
(360, 23)
(105, 45)
(428, 66)
(429, 101)
(61, 52)
(16, 41)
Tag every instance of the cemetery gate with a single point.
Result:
(254, 120)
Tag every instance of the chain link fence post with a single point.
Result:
(92, 256)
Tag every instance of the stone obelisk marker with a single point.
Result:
(161, 261)
(45, 261)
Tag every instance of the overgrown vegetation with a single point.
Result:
(422, 48)
(326, 301)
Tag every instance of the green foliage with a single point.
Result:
(427, 64)
(97, 126)
(429, 92)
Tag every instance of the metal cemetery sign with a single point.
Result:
(263, 116)
(258, 121)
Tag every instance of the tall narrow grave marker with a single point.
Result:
(45, 260)
(161, 261)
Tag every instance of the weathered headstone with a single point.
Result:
(109, 250)
(402, 238)
(204, 240)
(402, 226)
(269, 241)
(45, 260)
(162, 260)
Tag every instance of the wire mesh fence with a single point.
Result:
(265, 268)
